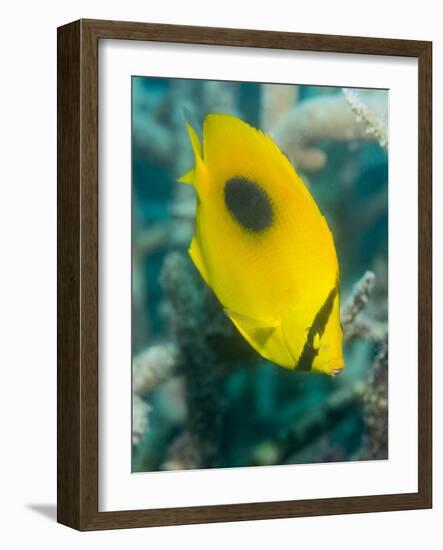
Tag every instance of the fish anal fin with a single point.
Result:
(197, 258)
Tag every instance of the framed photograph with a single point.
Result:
(244, 274)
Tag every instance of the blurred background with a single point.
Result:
(202, 397)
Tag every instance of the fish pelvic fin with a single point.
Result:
(265, 336)
(190, 177)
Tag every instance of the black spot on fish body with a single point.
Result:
(249, 204)
(318, 326)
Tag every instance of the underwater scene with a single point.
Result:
(259, 274)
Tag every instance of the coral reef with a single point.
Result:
(375, 407)
(370, 393)
(197, 324)
(202, 397)
(198, 361)
(297, 436)
(332, 117)
(195, 329)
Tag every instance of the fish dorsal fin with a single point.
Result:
(189, 177)
(197, 258)
(232, 147)
(195, 142)
(264, 335)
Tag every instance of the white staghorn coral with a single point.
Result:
(354, 322)
(324, 117)
(375, 123)
(140, 418)
(152, 367)
(358, 299)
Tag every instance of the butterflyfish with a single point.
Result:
(263, 246)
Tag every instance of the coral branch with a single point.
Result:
(356, 302)
(323, 117)
(149, 369)
(152, 367)
(354, 322)
(375, 408)
(140, 418)
(277, 101)
(370, 394)
(152, 238)
(199, 363)
(180, 455)
(318, 422)
(366, 329)
(373, 124)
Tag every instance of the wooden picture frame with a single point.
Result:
(78, 274)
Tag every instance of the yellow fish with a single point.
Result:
(264, 248)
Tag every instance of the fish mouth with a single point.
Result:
(336, 372)
(334, 368)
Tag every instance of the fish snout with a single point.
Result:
(336, 372)
(334, 368)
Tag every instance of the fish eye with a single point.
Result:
(316, 341)
(313, 340)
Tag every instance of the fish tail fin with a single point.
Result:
(191, 176)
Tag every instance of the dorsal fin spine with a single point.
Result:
(191, 176)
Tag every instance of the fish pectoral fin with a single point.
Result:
(265, 336)
(196, 255)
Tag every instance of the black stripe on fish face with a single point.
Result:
(318, 326)
(249, 204)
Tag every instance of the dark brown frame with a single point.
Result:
(77, 456)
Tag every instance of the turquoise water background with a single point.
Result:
(261, 413)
